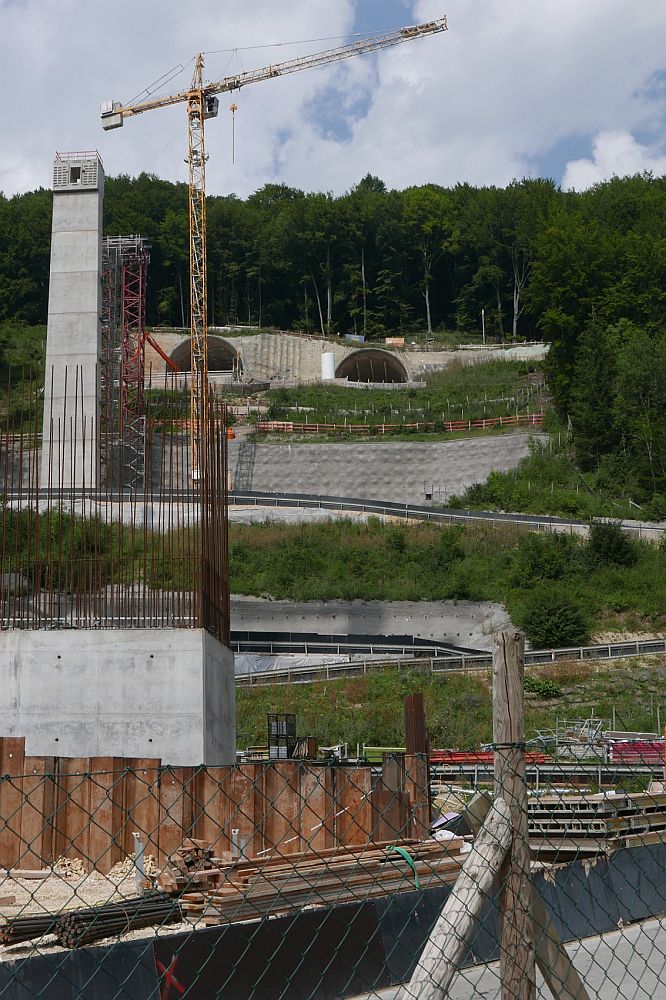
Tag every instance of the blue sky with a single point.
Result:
(569, 89)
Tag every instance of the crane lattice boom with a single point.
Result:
(113, 112)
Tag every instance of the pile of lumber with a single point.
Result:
(282, 883)
(192, 864)
(595, 824)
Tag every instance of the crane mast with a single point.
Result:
(202, 103)
(196, 115)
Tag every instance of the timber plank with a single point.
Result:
(36, 813)
(12, 769)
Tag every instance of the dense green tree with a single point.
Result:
(584, 271)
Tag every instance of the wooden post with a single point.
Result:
(417, 769)
(416, 739)
(517, 957)
(552, 958)
(450, 937)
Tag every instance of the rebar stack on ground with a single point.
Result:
(19, 929)
(80, 927)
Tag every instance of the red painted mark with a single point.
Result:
(168, 979)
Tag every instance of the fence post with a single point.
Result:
(517, 956)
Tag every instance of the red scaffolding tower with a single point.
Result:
(124, 272)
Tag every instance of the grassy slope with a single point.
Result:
(458, 707)
(457, 394)
(348, 559)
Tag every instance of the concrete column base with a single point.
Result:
(166, 693)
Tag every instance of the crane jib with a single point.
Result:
(113, 112)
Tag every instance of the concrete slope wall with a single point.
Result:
(393, 470)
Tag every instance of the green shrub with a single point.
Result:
(449, 547)
(544, 557)
(396, 538)
(552, 619)
(542, 686)
(609, 545)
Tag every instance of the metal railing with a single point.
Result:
(418, 512)
(449, 664)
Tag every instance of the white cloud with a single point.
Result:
(614, 154)
(484, 102)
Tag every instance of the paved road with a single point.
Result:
(652, 531)
(629, 964)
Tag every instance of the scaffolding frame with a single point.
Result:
(123, 426)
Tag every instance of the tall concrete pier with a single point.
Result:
(70, 452)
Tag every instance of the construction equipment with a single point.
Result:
(202, 103)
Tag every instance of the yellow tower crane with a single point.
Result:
(202, 103)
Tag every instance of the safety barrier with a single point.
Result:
(446, 426)
(463, 663)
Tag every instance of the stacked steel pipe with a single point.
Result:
(80, 927)
(75, 928)
(26, 928)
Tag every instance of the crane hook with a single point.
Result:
(233, 108)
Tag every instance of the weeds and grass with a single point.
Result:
(374, 561)
(548, 481)
(458, 707)
(561, 589)
(491, 389)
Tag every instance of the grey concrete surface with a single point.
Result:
(392, 470)
(119, 692)
(461, 623)
(293, 515)
(73, 337)
(627, 964)
(292, 358)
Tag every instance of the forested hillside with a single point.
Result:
(586, 272)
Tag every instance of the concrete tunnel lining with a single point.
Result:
(221, 355)
(372, 365)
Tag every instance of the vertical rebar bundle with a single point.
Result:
(105, 556)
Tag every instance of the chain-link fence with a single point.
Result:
(288, 878)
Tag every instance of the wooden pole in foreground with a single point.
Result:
(552, 958)
(450, 937)
(517, 956)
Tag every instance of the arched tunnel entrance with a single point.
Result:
(372, 365)
(221, 355)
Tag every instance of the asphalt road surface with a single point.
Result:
(627, 964)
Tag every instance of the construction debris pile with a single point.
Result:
(69, 868)
(127, 867)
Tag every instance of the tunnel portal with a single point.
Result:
(221, 355)
(372, 365)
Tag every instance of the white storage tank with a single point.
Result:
(327, 366)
